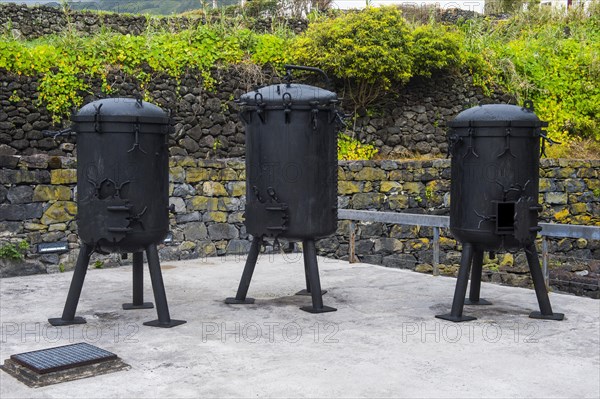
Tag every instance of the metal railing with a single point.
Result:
(436, 222)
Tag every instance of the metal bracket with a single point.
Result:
(506, 149)
(314, 114)
(287, 103)
(136, 143)
(516, 188)
(546, 139)
(256, 192)
(471, 148)
(137, 218)
(260, 107)
(97, 118)
(484, 218)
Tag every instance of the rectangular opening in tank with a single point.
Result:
(505, 217)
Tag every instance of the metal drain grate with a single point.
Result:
(62, 358)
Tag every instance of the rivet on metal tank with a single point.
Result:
(494, 189)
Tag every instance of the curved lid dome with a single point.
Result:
(289, 94)
(492, 115)
(123, 110)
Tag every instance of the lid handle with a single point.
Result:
(288, 73)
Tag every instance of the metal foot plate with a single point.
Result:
(171, 323)
(57, 321)
(131, 306)
(324, 309)
(233, 301)
(455, 319)
(475, 303)
(553, 316)
(306, 293)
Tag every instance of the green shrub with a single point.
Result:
(375, 50)
(350, 149)
(14, 252)
(369, 50)
(436, 47)
(271, 50)
(549, 57)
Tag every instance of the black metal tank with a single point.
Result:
(495, 176)
(122, 196)
(291, 174)
(291, 161)
(122, 174)
(494, 196)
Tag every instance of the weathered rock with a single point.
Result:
(367, 200)
(51, 193)
(238, 247)
(369, 173)
(201, 203)
(402, 261)
(424, 268)
(236, 189)
(20, 194)
(218, 217)
(178, 204)
(17, 212)
(194, 175)
(222, 231)
(60, 211)
(213, 189)
(188, 217)
(556, 198)
(184, 190)
(39, 161)
(24, 176)
(388, 245)
(63, 176)
(348, 187)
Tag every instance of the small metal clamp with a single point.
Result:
(136, 131)
(97, 118)
(506, 149)
(287, 104)
(471, 148)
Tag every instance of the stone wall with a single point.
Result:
(37, 204)
(37, 179)
(207, 123)
(33, 22)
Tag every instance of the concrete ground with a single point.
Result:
(382, 342)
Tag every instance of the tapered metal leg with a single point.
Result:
(310, 261)
(540, 288)
(138, 284)
(68, 316)
(306, 292)
(476, 271)
(158, 286)
(461, 287)
(240, 297)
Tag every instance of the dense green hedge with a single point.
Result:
(375, 50)
(549, 56)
